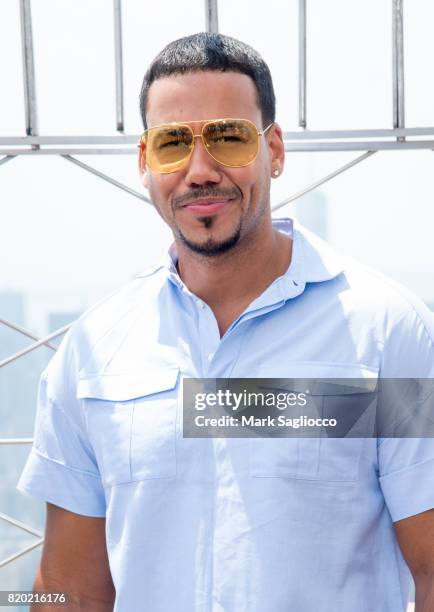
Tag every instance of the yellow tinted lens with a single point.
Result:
(167, 147)
(232, 142)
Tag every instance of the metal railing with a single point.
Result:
(35, 345)
(304, 140)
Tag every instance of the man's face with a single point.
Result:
(210, 207)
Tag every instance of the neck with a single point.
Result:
(240, 275)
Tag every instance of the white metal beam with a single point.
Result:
(21, 553)
(107, 178)
(28, 68)
(34, 346)
(5, 160)
(119, 67)
(398, 75)
(302, 64)
(23, 526)
(24, 332)
(323, 180)
(211, 16)
(16, 440)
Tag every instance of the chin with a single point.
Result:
(212, 247)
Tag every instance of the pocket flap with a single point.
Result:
(322, 378)
(321, 387)
(123, 387)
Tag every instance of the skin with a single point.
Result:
(227, 281)
(416, 540)
(75, 557)
(74, 561)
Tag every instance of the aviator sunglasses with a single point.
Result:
(231, 142)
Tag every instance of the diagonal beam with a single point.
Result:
(21, 330)
(20, 554)
(34, 346)
(325, 179)
(6, 159)
(15, 523)
(107, 178)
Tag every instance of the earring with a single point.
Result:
(276, 172)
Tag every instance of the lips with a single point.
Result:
(207, 207)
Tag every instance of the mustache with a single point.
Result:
(205, 192)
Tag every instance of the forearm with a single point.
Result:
(78, 599)
(424, 593)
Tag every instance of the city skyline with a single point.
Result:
(18, 390)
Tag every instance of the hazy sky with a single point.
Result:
(68, 238)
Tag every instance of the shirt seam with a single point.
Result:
(128, 313)
(68, 467)
(406, 469)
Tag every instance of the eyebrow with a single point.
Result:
(173, 132)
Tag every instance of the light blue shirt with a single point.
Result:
(237, 525)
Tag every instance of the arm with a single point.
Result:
(74, 561)
(416, 540)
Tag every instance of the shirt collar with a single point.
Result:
(313, 260)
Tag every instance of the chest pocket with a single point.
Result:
(321, 458)
(131, 422)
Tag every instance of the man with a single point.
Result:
(174, 524)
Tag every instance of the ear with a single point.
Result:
(143, 170)
(276, 149)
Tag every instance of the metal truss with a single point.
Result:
(323, 180)
(35, 345)
(22, 526)
(398, 138)
(328, 140)
(21, 330)
(4, 441)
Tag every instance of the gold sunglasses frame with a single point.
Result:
(206, 146)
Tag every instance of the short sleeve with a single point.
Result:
(61, 468)
(407, 475)
(406, 465)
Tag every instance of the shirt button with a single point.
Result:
(201, 305)
(210, 356)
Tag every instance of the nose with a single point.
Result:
(201, 168)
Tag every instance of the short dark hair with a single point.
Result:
(210, 51)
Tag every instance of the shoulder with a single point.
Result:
(372, 290)
(401, 324)
(379, 315)
(359, 287)
(100, 331)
